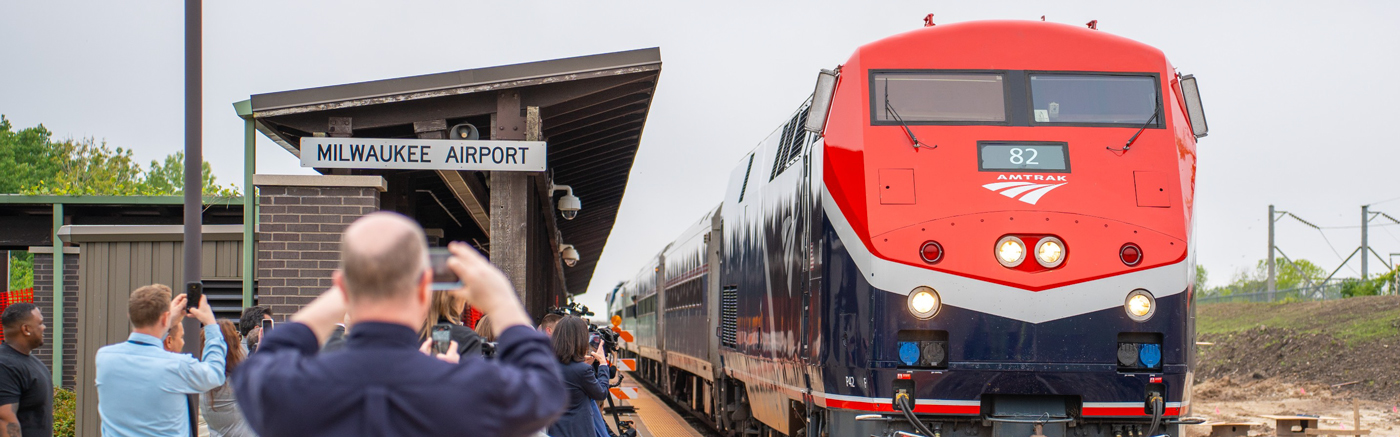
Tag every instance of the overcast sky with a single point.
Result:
(1299, 95)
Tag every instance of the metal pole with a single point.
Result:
(57, 315)
(1272, 284)
(194, 164)
(250, 213)
(1365, 218)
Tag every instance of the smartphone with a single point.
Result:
(266, 327)
(443, 277)
(442, 338)
(194, 291)
(593, 341)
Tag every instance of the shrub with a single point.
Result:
(65, 405)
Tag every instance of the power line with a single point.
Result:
(1324, 237)
(1314, 226)
(1386, 200)
(1334, 250)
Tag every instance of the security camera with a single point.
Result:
(568, 254)
(569, 204)
(464, 131)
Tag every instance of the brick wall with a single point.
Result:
(43, 298)
(299, 239)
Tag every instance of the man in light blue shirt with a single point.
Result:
(141, 388)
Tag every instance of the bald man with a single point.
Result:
(384, 382)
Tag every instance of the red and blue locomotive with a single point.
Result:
(981, 228)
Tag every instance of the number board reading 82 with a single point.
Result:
(1023, 156)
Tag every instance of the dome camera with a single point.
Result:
(568, 254)
(569, 205)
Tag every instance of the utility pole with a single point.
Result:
(194, 182)
(1271, 287)
(1365, 249)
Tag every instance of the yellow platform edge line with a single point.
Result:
(658, 418)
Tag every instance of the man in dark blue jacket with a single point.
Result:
(383, 383)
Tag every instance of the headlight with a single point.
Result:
(1050, 252)
(1140, 305)
(924, 302)
(1010, 251)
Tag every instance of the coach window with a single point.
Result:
(1094, 99)
(924, 97)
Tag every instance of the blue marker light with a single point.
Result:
(1150, 355)
(909, 352)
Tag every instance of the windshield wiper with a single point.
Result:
(1150, 121)
(889, 109)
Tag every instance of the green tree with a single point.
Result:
(33, 163)
(1353, 287)
(168, 177)
(21, 270)
(26, 156)
(86, 168)
(89, 169)
(1300, 273)
(1201, 277)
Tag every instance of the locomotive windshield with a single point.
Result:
(1093, 99)
(938, 97)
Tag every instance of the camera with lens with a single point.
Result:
(572, 309)
(609, 337)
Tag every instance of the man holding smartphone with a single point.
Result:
(380, 383)
(141, 387)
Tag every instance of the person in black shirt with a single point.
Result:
(26, 386)
(446, 309)
(250, 324)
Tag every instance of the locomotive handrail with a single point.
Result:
(1044, 418)
(869, 417)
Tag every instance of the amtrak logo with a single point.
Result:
(1029, 192)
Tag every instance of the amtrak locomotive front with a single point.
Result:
(979, 229)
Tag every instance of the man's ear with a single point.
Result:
(338, 280)
(425, 288)
(164, 322)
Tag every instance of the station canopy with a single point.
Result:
(592, 111)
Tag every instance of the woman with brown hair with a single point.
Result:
(446, 309)
(219, 408)
(585, 371)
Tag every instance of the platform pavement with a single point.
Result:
(653, 418)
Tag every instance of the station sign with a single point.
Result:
(423, 154)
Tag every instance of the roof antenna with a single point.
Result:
(928, 20)
(1042, 18)
(1093, 24)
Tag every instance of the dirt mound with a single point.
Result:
(1350, 347)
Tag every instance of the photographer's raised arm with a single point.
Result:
(487, 288)
(322, 314)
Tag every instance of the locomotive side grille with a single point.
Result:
(729, 316)
(793, 139)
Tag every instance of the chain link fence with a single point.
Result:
(1328, 290)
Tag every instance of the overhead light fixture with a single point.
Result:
(569, 205)
(568, 254)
